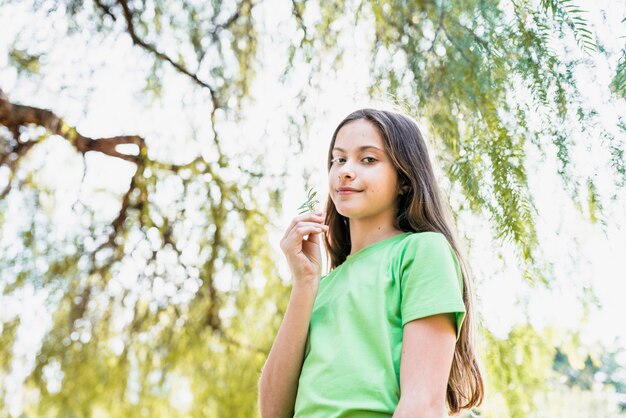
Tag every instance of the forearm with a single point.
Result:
(278, 384)
(416, 408)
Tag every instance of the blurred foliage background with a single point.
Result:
(142, 185)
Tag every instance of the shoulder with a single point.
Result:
(426, 236)
(428, 241)
(428, 247)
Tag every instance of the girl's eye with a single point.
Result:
(341, 158)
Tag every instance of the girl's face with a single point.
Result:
(359, 161)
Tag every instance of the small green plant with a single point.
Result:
(310, 204)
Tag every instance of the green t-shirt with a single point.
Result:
(351, 362)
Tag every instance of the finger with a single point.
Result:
(309, 217)
(305, 228)
(295, 239)
(314, 237)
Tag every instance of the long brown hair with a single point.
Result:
(420, 208)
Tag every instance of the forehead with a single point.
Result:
(357, 135)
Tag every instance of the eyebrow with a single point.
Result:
(358, 149)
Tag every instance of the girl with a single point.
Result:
(389, 330)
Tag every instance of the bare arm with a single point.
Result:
(427, 351)
(279, 380)
(278, 384)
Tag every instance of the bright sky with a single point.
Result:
(582, 255)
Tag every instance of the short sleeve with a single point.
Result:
(430, 279)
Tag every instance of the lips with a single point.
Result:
(347, 190)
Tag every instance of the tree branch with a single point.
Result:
(230, 20)
(300, 21)
(130, 27)
(13, 116)
(438, 27)
(105, 9)
(458, 48)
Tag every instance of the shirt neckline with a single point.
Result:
(374, 245)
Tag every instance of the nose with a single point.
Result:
(346, 172)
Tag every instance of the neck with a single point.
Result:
(367, 232)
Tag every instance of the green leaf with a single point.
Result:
(309, 205)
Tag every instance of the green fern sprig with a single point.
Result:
(310, 204)
(618, 85)
(572, 15)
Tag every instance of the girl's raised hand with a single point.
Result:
(304, 256)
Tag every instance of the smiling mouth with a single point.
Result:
(346, 192)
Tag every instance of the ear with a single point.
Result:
(405, 188)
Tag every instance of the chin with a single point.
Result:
(343, 212)
(352, 213)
